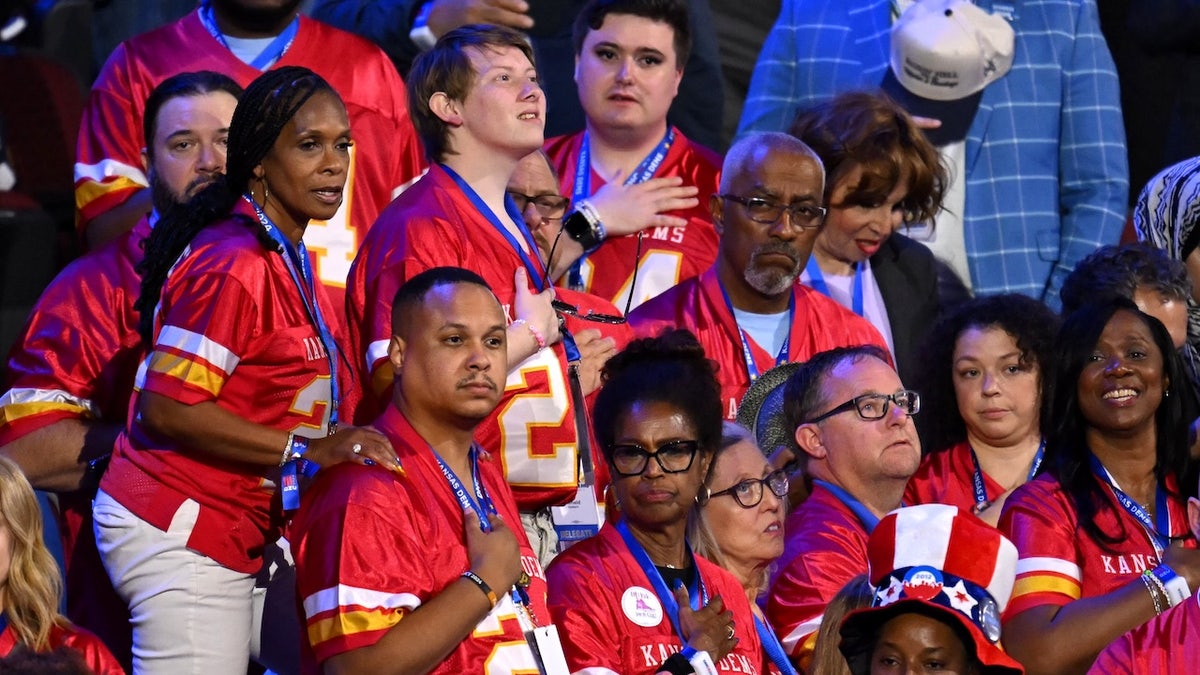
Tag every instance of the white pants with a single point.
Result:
(190, 614)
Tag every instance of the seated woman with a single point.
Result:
(1099, 532)
(241, 389)
(982, 385)
(30, 586)
(941, 579)
(1155, 282)
(739, 524)
(634, 599)
(880, 173)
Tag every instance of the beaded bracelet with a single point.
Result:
(537, 334)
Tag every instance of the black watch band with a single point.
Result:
(579, 228)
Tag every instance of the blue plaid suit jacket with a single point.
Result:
(1047, 179)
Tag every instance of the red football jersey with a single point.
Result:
(947, 477)
(231, 328)
(76, 359)
(612, 622)
(826, 547)
(97, 657)
(1058, 561)
(353, 517)
(433, 224)
(669, 254)
(698, 305)
(80, 349)
(386, 155)
(1166, 645)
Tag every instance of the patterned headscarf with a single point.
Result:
(1167, 216)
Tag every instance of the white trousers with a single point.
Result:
(190, 615)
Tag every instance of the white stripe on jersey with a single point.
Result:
(1056, 565)
(26, 396)
(792, 640)
(109, 168)
(377, 351)
(345, 596)
(198, 345)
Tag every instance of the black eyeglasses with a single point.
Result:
(875, 406)
(767, 212)
(749, 493)
(550, 207)
(589, 315)
(629, 459)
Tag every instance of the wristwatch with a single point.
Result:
(420, 34)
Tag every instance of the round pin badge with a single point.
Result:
(989, 619)
(642, 607)
(923, 583)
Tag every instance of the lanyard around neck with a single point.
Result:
(583, 184)
(817, 280)
(980, 488)
(697, 591)
(747, 354)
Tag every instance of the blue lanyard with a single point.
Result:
(696, 591)
(773, 647)
(864, 515)
(1159, 536)
(780, 358)
(536, 271)
(981, 498)
(583, 184)
(481, 504)
(272, 53)
(817, 280)
(296, 260)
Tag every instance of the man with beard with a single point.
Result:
(430, 571)
(72, 374)
(747, 309)
(243, 38)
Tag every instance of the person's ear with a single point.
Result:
(145, 161)
(395, 353)
(808, 439)
(1193, 515)
(716, 208)
(447, 109)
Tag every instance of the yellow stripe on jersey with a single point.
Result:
(24, 402)
(352, 623)
(89, 191)
(1047, 583)
(189, 342)
(193, 373)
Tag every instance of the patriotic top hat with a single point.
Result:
(939, 561)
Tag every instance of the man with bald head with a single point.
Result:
(747, 309)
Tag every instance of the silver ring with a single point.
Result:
(731, 631)
(357, 448)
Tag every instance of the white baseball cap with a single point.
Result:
(946, 50)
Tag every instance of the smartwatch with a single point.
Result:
(420, 34)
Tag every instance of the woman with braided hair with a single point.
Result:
(241, 387)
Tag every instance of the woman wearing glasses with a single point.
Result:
(739, 524)
(1101, 534)
(634, 599)
(881, 173)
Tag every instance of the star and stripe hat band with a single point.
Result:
(942, 562)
